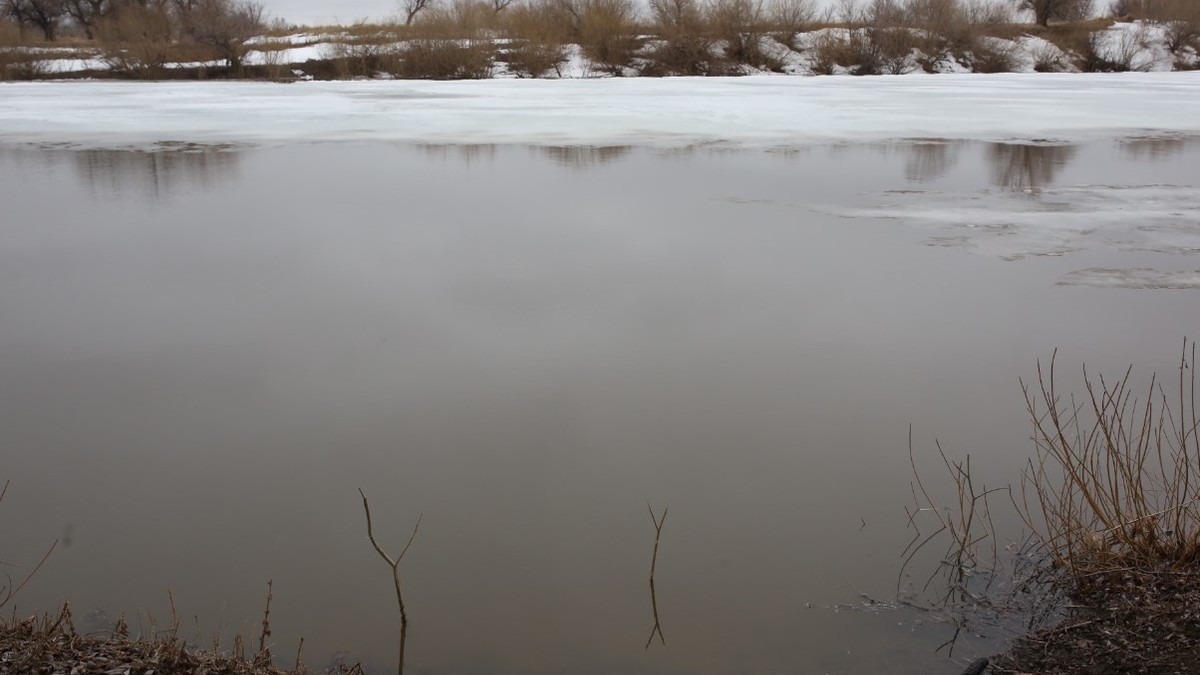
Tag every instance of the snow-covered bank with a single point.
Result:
(740, 112)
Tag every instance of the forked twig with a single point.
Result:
(394, 563)
(658, 524)
(9, 591)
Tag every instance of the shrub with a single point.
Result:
(740, 25)
(222, 26)
(1045, 11)
(991, 55)
(136, 40)
(539, 30)
(607, 34)
(446, 59)
(361, 58)
(1115, 482)
(1116, 51)
(684, 48)
(789, 18)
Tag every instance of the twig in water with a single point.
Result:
(394, 563)
(264, 650)
(658, 524)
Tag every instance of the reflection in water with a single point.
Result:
(924, 162)
(1155, 148)
(157, 174)
(658, 524)
(1027, 168)
(584, 156)
(467, 154)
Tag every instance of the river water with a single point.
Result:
(206, 352)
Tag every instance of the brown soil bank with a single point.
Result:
(1120, 621)
(51, 645)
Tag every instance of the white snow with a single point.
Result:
(739, 112)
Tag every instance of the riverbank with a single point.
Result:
(51, 644)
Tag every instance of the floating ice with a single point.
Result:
(1050, 221)
(1136, 278)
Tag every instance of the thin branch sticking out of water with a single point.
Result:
(658, 524)
(394, 563)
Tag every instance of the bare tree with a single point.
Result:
(87, 12)
(42, 14)
(500, 5)
(412, 8)
(136, 39)
(1045, 11)
(223, 25)
(791, 17)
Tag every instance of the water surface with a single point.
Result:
(205, 353)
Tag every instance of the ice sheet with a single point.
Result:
(671, 112)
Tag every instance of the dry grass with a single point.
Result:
(1116, 479)
(51, 644)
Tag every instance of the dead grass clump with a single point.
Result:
(1115, 483)
(445, 59)
(51, 644)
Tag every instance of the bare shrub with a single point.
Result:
(791, 17)
(539, 32)
(893, 47)
(136, 40)
(468, 19)
(607, 34)
(1180, 20)
(991, 55)
(17, 62)
(989, 13)
(362, 57)
(850, 49)
(740, 25)
(446, 59)
(685, 49)
(222, 26)
(1045, 11)
(530, 58)
(1116, 51)
(1115, 478)
(45, 15)
(1048, 58)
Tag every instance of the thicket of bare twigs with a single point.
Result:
(465, 38)
(1111, 499)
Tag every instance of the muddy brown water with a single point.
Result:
(204, 354)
